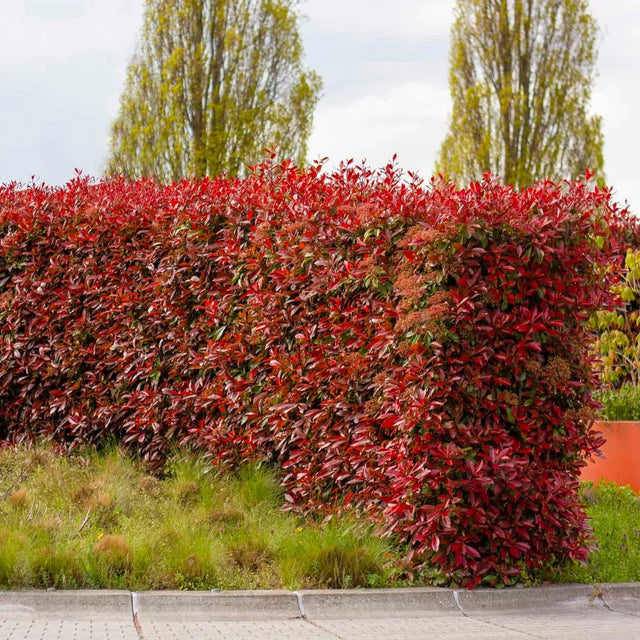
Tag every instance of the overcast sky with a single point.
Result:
(384, 64)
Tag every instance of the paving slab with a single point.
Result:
(570, 612)
(596, 626)
(233, 630)
(446, 627)
(52, 629)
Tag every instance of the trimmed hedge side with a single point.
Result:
(419, 353)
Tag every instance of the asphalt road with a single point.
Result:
(559, 612)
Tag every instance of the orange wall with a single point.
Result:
(622, 455)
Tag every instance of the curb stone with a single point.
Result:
(79, 605)
(377, 603)
(320, 604)
(216, 605)
(558, 598)
(622, 597)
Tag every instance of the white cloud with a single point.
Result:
(616, 94)
(32, 33)
(371, 19)
(385, 69)
(409, 121)
(62, 66)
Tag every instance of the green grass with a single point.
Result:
(621, 404)
(615, 520)
(99, 521)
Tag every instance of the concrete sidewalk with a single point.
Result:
(561, 612)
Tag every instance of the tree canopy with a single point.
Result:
(211, 85)
(521, 75)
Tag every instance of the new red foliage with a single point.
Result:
(419, 353)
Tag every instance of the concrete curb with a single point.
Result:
(377, 603)
(224, 605)
(560, 598)
(321, 604)
(81, 604)
(622, 597)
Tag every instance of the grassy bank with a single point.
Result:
(99, 521)
(615, 519)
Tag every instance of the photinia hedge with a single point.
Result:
(418, 352)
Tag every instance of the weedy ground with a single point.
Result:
(615, 520)
(98, 520)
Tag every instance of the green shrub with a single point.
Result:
(617, 345)
(622, 403)
(614, 514)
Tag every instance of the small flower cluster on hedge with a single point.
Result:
(417, 352)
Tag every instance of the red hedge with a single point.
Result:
(420, 353)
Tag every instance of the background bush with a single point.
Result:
(621, 404)
(617, 344)
(419, 353)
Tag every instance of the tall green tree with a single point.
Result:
(521, 76)
(211, 85)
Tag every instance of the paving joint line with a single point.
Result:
(305, 618)
(329, 631)
(605, 604)
(300, 600)
(136, 617)
(456, 599)
(519, 632)
(612, 610)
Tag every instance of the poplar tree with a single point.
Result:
(211, 85)
(521, 75)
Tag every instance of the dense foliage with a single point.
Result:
(617, 345)
(622, 403)
(417, 352)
